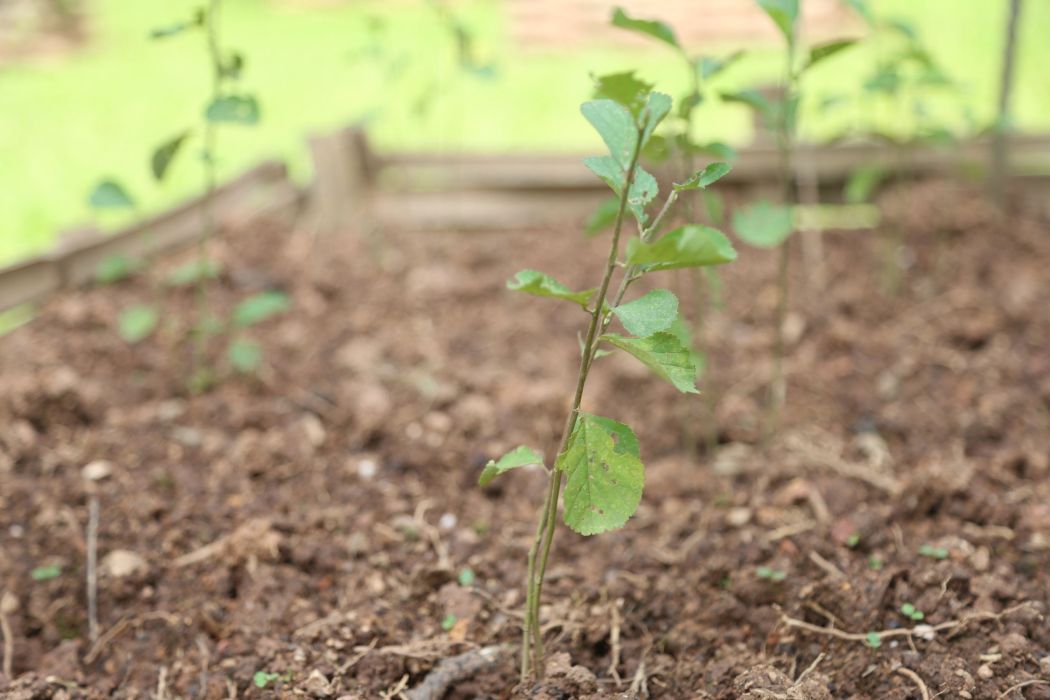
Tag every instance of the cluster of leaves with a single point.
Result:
(601, 460)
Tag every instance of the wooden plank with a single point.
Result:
(28, 281)
(482, 211)
(343, 179)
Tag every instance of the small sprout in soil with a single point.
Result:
(116, 268)
(261, 679)
(853, 540)
(928, 550)
(449, 622)
(874, 640)
(467, 577)
(765, 572)
(874, 563)
(909, 610)
(46, 573)
(136, 323)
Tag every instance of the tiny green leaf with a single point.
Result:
(258, 308)
(863, 182)
(244, 355)
(137, 323)
(615, 125)
(165, 154)
(114, 268)
(541, 285)
(448, 622)
(233, 109)
(261, 679)
(908, 609)
(520, 456)
(822, 51)
(193, 271)
(853, 540)
(763, 225)
(664, 354)
(654, 28)
(604, 473)
(110, 194)
(688, 246)
(874, 640)
(770, 574)
(466, 577)
(624, 88)
(928, 550)
(702, 179)
(874, 563)
(46, 573)
(651, 313)
(784, 13)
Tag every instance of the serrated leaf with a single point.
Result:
(616, 126)
(644, 187)
(624, 88)
(233, 109)
(822, 51)
(114, 268)
(702, 179)
(194, 271)
(651, 313)
(244, 355)
(664, 354)
(688, 246)
(137, 323)
(605, 476)
(110, 194)
(784, 13)
(542, 285)
(165, 154)
(521, 456)
(763, 225)
(654, 28)
(603, 217)
(258, 308)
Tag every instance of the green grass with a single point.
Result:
(68, 121)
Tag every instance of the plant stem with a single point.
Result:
(531, 633)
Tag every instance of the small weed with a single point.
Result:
(262, 679)
(467, 578)
(874, 563)
(928, 550)
(909, 610)
(449, 622)
(853, 541)
(769, 574)
(46, 573)
(873, 640)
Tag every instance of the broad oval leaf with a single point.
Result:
(784, 14)
(259, 307)
(625, 88)
(137, 323)
(605, 475)
(521, 456)
(165, 154)
(708, 176)
(688, 246)
(233, 109)
(664, 354)
(651, 313)
(110, 194)
(763, 225)
(542, 285)
(654, 28)
(616, 126)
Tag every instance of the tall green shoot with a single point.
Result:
(598, 458)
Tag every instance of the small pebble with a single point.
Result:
(447, 521)
(985, 671)
(738, 517)
(97, 470)
(16, 531)
(366, 468)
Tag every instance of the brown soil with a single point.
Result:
(313, 522)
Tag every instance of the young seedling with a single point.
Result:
(599, 458)
(225, 106)
(913, 613)
(768, 574)
(767, 225)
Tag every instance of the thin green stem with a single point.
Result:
(548, 520)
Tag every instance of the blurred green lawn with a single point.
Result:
(66, 122)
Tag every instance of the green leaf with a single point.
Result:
(194, 271)
(110, 194)
(644, 188)
(261, 679)
(603, 217)
(873, 639)
(624, 88)
(753, 99)
(651, 313)
(863, 182)
(784, 13)
(244, 355)
(616, 126)
(165, 154)
(702, 179)
(657, 107)
(233, 66)
(821, 51)
(770, 574)
(541, 285)
(664, 354)
(928, 550)
(114, 268)
(604, 474)
(233, 109)
(448, 622)
(260, 307)
(680, 329)
(467, 577)
(46, 573)
(654, 28)
(688, 246)
(709, 66)
(137, 323)
(763, 225)
(521, 456)
(715, 149)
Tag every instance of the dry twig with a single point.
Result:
(8, 604)
(452, 670)
(1023, 684)
(916, 679)
(92, 568)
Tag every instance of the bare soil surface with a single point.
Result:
(318, 522)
